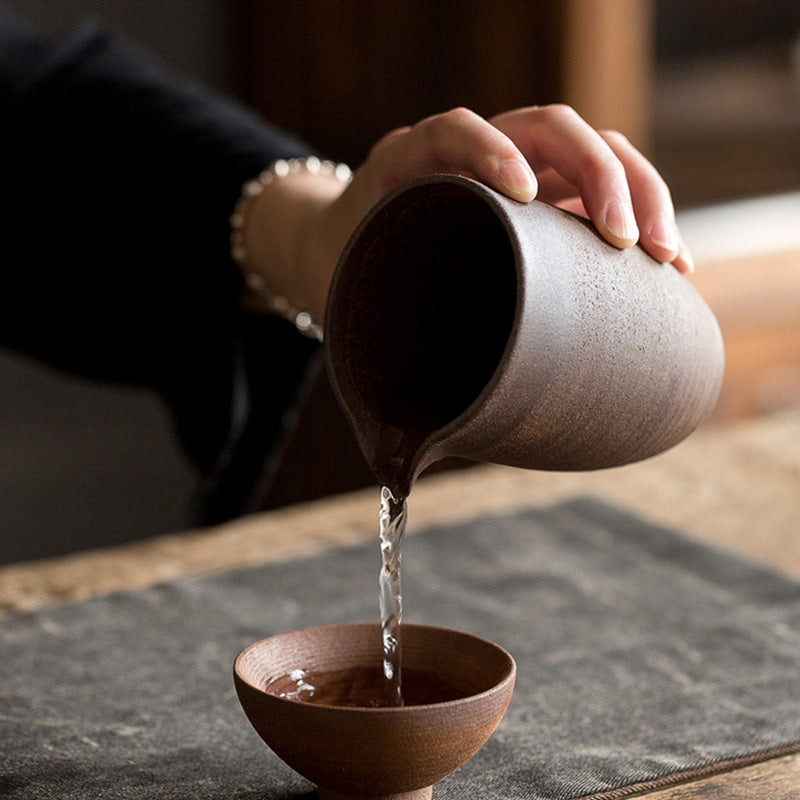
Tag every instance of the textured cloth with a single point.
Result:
(641, 657)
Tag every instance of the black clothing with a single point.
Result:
(120, 180)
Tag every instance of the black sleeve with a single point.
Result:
(119, 181)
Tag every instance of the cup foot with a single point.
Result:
(417, 794)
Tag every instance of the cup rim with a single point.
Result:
(509, 676)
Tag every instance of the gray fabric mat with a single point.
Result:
(640, 655)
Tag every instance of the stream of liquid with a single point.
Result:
(393, 515)
(354, 688)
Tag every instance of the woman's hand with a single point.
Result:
(545, 152)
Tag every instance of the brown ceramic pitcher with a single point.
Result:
(462, 323)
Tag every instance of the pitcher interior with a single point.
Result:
(425, 313)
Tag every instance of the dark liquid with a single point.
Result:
(364, 688)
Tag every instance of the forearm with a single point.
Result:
(129, 175)
(122, 179)
(285, 247)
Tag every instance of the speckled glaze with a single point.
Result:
(389, 753)
(462, 323)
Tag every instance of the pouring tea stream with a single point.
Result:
(462, 323)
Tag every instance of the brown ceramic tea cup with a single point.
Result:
(340, 736)
(462, 323)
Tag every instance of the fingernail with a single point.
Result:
(664, 234)
(686, 257)
(517, 176)
(620, 222)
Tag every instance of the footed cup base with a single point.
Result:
(417, 794)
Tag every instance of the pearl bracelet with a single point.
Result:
(254, 281)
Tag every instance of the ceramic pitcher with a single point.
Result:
(463, 323)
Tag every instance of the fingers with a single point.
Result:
(549, 152)
(557, 137)
(684, 262)
(652, 205)
(623, 194)
(458, 141)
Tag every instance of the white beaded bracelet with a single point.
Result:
(255, 282)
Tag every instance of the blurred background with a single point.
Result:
(709, 91)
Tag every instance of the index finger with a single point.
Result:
(457, 141)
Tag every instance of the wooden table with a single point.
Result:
(734, 486)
